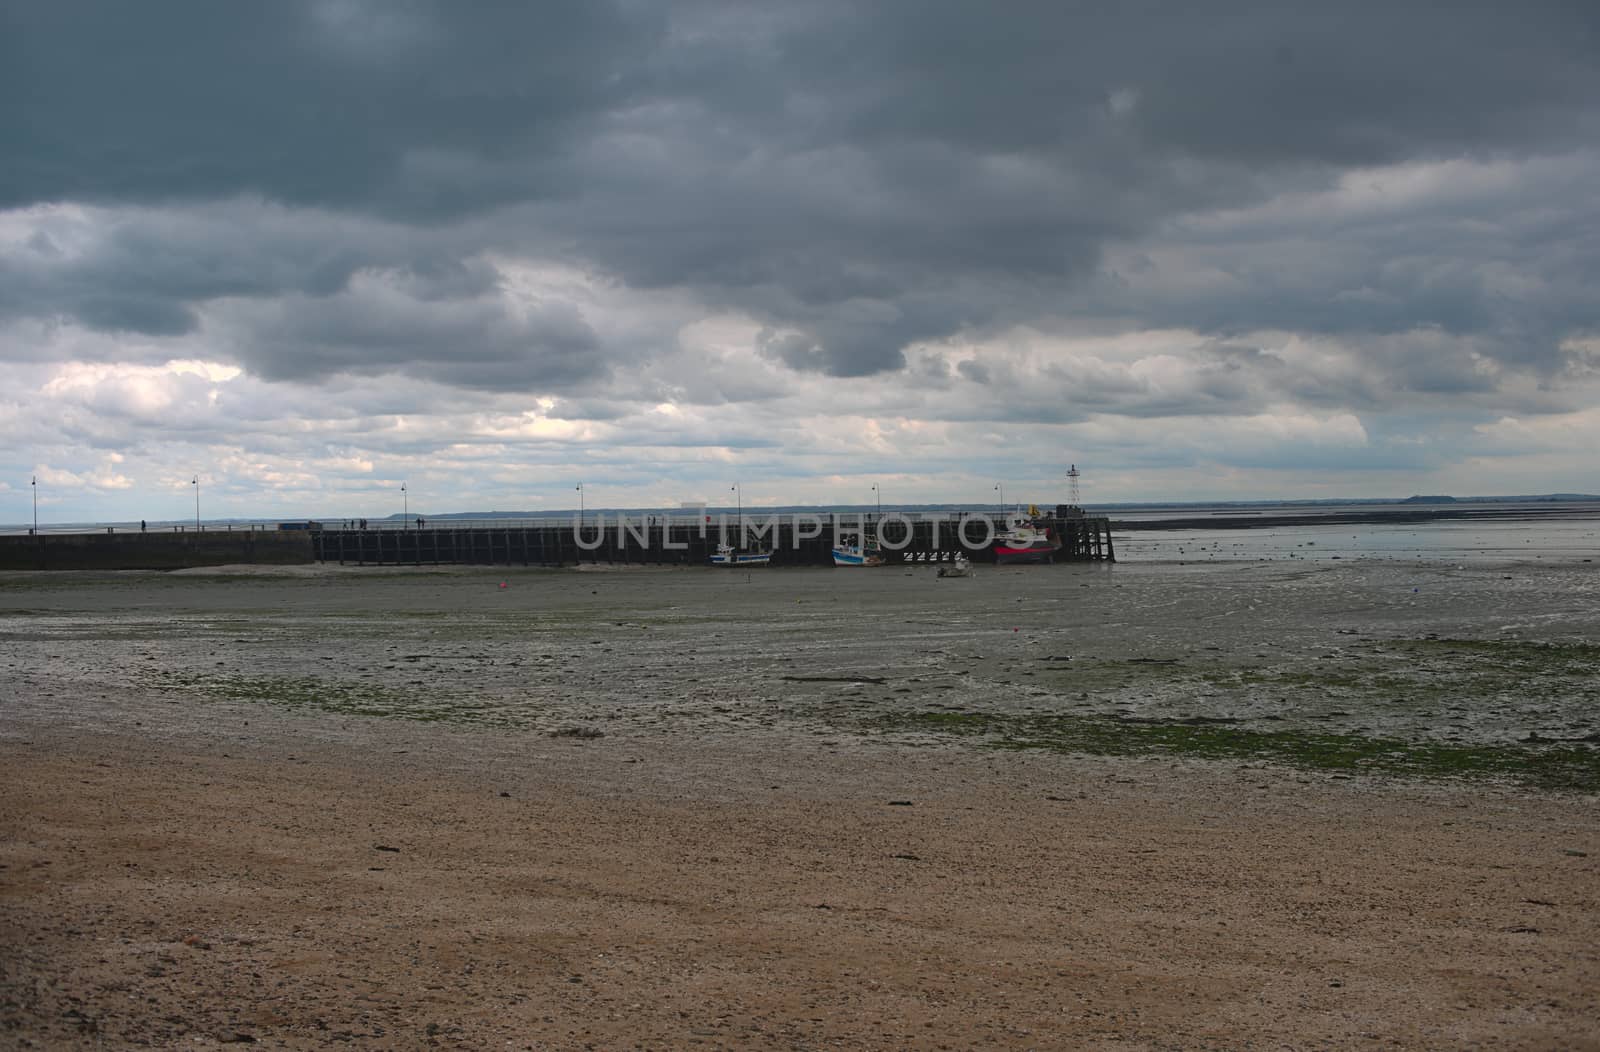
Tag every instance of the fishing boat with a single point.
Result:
(852, 550)
(726, 555)
(1025, 541)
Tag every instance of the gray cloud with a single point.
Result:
(1487, 265)
(1337, 211)
(299, 296)
(415, 109)
(865, 175)
(377, 329)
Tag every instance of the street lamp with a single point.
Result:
(738, 504)
(876, 492)
(405, 506)
(35, 485)
(196, 483)
(579, 488)
(1000, 487)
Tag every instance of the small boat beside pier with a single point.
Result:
(854, 549)
(726, 555)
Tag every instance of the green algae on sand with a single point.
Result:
(1573, 766)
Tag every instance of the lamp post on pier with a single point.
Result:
(195, 482)
(738, 505)
(1000, 488)
(405, 506)
(35, 485)
(581, 509)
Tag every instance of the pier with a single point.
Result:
(113, 549)
(633, 538)
(666, 540)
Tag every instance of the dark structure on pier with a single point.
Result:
(795, 540)
(169, 550)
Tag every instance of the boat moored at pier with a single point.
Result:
(854, 550)
(726, 555)
(1025, 541)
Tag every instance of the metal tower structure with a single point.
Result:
(1072, 486)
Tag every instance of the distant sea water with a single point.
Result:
(1555, 532)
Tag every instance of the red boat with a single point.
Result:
(1024, 541)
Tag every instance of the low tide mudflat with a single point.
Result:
(1232, 804)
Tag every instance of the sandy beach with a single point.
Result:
(660, 810)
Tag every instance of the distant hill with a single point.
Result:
(1429, 500)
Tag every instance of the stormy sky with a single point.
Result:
(310, 250)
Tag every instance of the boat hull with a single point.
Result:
(741, 560)
(848, 558)
(1035, 553)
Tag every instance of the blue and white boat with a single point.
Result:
(853, 551)
(725, 555)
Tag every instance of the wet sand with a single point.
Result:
(670, 830)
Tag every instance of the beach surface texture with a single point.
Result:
(1244, 805)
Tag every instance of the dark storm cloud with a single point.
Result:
(416, 109)
(855, 177)
(1257, 83)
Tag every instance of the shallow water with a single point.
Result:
(1560, 540)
